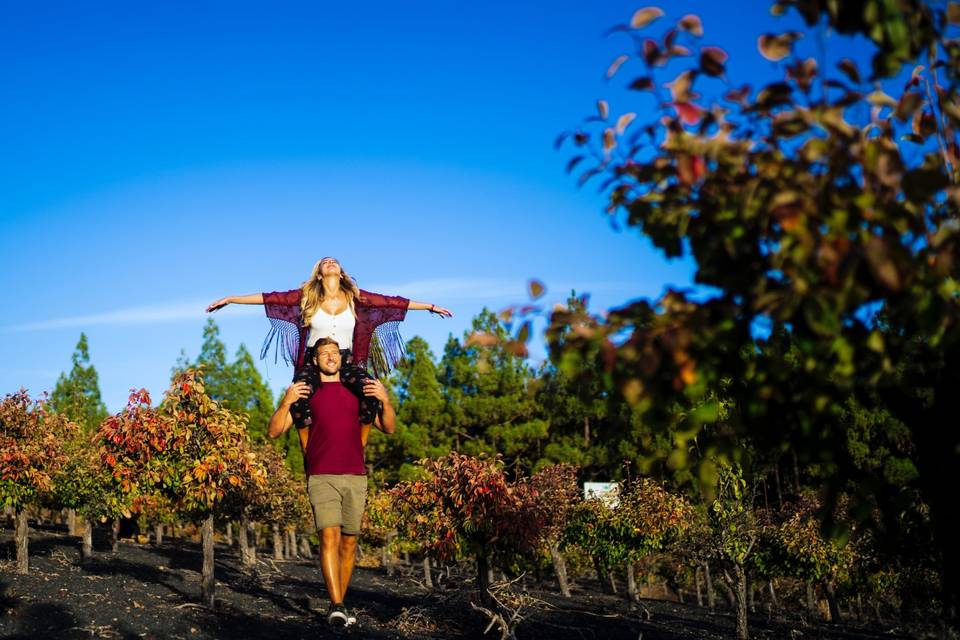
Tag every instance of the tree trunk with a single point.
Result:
(257, 534)
(177, 530)
(22, 538)
(859, 609)
(427, 579)
(811, 602)
(158, 534)
(728, 593)
(773, 595)
(605, 577)
(207, 580)
(86, 544)
(72, 522)
(229, 535)
(738, 585)
(699, 583)
(277, 542)
(751, 596)
(305, 551)
(560, 569)
(632, 594)
(711, 596)
(831, 594)
(385, 560)
(248, 555)
(292, 543)
(115, 535)
(586, 431)
(483, 581)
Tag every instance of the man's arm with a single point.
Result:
(281, 420)
(387, 420)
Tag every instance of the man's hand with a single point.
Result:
(375, 389)
(386, 421)
(296, 391)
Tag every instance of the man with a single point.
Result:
(336, 470)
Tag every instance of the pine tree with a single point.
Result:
(421, 422)
(490, 396)
(237, 385)
(77, 395)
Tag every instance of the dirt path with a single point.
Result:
(146, 591)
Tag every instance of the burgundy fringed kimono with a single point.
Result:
(376, 314)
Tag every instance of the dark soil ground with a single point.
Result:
(146, 591)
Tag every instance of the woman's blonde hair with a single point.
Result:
(314, 294)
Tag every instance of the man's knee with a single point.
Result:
(330, 537)
(348, 543)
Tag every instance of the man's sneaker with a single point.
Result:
(337, 616)
(351, 617)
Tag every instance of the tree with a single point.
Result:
(237, 385)
(206, 458)
(31, 450)
(466, 506)
(279, 499)
(645, 519)
(816, 207)
(128, 449)
(422, 429)
(795, 545)
(77, 395)
(490, 395)
(551, 494)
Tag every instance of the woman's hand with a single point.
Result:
(375, 389)
(253, 298)
(440, 311)
(296, 391)
(219, 304)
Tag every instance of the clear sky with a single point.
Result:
(160, 155)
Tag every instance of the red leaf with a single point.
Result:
(689, 113)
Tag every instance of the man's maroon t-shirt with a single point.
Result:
(334, 445)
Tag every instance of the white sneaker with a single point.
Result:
(337, 616)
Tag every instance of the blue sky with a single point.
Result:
(161, 155)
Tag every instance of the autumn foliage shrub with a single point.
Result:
(31, 451)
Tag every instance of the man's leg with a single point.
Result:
(354, 492)
(331, 564)
(327, 512)
(347, 556)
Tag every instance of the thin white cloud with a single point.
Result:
(438, 290)
(154, 314)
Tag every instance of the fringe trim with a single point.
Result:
(386, 348)
(284, 336)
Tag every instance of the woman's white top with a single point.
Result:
(339, 327)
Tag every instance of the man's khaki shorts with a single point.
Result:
(338, 501)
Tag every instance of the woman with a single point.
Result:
(330, 305)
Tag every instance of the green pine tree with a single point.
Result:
(237, 385)
(422, 426)
(77, 395)
(490, 397)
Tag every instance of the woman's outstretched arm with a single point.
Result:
(413, 305)
(253, 298)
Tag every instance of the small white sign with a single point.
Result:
(607, 492)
